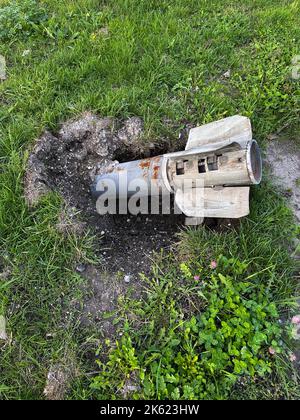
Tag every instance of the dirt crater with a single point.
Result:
(67, 162)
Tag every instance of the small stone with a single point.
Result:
(80, 268)
(227, 74)
(3, 335)
(5, 274)
(25, 53)
(127, 278)
(103, 31)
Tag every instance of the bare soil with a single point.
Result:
(283, 159)
(67, 162)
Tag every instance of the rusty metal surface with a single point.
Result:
(231, 162)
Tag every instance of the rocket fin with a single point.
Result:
(222, 133)
(224, 202)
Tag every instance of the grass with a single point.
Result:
(160, 349)
(165, 62)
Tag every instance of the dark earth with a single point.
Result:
(67, 162)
